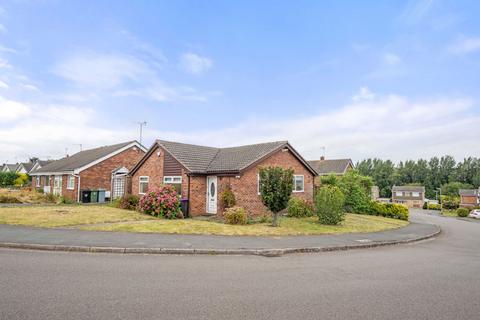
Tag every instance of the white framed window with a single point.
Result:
(174, 181)
(37, 181)
(71, 182)
(416, 194)
(143, 184)
(399, 193)
(298, 183)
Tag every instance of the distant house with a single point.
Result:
(102, 168)
(411, 196)
(201, 173)
(325, 167)
(37, 164)
(469, 197)
(25, 167)
(7, 167)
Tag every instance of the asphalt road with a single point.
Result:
(434, 279)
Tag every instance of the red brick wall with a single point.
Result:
(153, 167)
(99, 176)
(198, 196)
(468, 200)
(245, 187)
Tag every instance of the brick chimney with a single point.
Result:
(322, 157)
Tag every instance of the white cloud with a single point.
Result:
(391, 58)
(3, 85)
(363, 94)
(121, 75)
(46, 130)
(12, 110)
(389, 126)
(4, 64)
(372, 125)
(195, 64)
(466, 45)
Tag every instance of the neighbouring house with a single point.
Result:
(103, 168)
(469, 197)
(25, 167)
(331, 166)
(37, 164)
(7, 167)
(325, 167)
(202, 173)
(411, 196)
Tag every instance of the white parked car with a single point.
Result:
(475, 214)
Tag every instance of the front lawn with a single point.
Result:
(64, 215)
(288, 226)
(449, 213)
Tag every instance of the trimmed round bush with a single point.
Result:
(235, 215)
(299, 208)
(128, 202)
(329, 205)
(462, 212)
(161, 201)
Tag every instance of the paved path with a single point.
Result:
(435, 279)
(68, 239)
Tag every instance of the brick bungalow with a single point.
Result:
(411, 196)
(100, 168)
(202, 173)
(325, 167)
(469, 197)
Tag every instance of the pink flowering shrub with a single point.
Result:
(161, 201)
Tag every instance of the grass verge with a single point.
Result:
(288, 226)
(64, 215)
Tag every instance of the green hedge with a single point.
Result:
(463, 212)
(434, 206)
(7, 179)
(389, 210)
(299, 208)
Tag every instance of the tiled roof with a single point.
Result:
(336, 166)
(409, 188)
(468, 192)
(80, 159)
(201, 159)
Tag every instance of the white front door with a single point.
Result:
(212, 194)
(57, 185)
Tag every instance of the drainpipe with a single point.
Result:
(78, 187)
(188, 195)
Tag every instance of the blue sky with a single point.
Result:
(391, 79)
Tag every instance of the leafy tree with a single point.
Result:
(329, 205)
(7, 179)
(357, 190)
(276, 185)
(452, 188)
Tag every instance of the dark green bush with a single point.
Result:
(64, 200)
(450, 202)
(299, 208)
(7, 179)
(389, 210)
(462, 212)
(235, 215)
(425, 205)
(329, 205)
(227, 198)
(128, 202)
